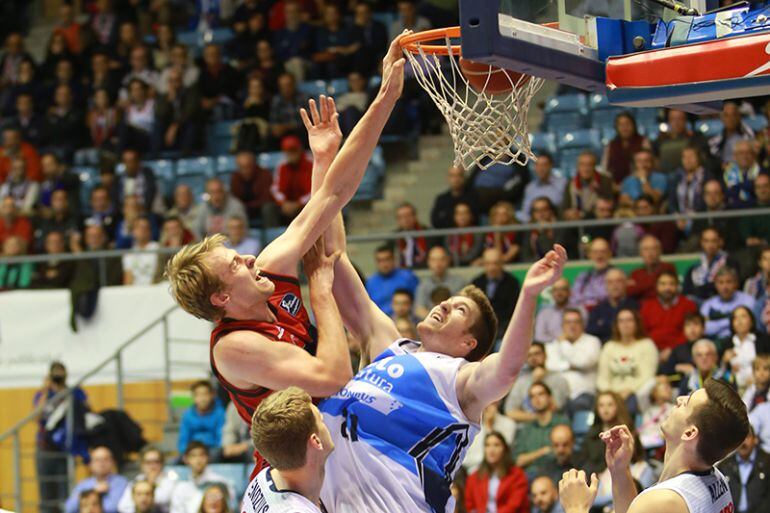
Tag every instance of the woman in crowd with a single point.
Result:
(467, 247)
(610, 410)
(215, 500)
(661, 403)
(103, 120)
(502, 213)
(498, 482)
(620, 151)
(746, 343)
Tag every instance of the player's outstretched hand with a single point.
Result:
(545, 271)
(619, 448)
(575, 495)
(323, 128)
(319, 267)
(393, 69)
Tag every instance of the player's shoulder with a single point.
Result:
(660, 500)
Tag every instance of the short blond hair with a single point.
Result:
(193, 281)
(281, 426)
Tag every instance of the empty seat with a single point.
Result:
(338, 86)
(756, 123)
(565, 121)
(599, 101)
(226, 164)
(161, 168)
(542, 142)
(87, 157)
(195, 166)
(270, 160)
(604, 117)
(580, 139)
(709, 127)
(567, 103)
(313, 88)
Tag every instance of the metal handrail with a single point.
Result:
(393, 235)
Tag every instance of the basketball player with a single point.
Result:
(703, 429)
(288, 430)
(256, 301)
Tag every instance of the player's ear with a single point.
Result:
(315, 442)
(691, 433)
(219, 299)
(471, 342)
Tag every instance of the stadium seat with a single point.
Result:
(608, 134)
(313, 88)
(189, 39)
(598, 101)
(542, 142)
(270, 160)
(338, 86)
(87, 157)
(195, 166)
(651, 131)
(236, 473)
(604, 118)
(580, 139)
(374, 82)
(567, 103)
(581, 423)
(756, 123)
(226, 164)
(709, 127)
(270, 234)
(120, 168)
(566, 112)
(218, 36)
(197, 184)
(646, 117)
(161, 168)
(86, 174)
(565, 121)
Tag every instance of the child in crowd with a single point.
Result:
(661, 403)
(203, 422)
(759, 391)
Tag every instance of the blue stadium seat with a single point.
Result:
(270, 160)
(567, 103)
(226, 164)
(543, 142)
(270, 234)
(608, 134)
(189, 39)
(87, 174)
(237, 473)
(580, 139)
(374, 82)
(646, 117)
(87, 157)
(386, 18)
(120, 168)
(195, 166)
(313, 88)
(581, 424)
(566, 121)
(377, 162)
(709, 127)
(604, 118)
(598, 101)
(651, 131)
(756, 123)
(197, 184)
(223, 129)
(219, 36)
(338, 86)
(161, 168)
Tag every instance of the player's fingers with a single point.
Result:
(332, 106)
(581, 475)
(594, 483)
(314, 111)
(324, 108)
(305, 119)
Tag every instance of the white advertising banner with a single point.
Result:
(35, 330)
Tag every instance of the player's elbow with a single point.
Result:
(329, 381)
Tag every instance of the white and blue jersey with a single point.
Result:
(399, 434)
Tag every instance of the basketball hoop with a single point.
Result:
(486, 111)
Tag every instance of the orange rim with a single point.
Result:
(413, 43)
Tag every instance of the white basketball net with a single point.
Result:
(485, 128)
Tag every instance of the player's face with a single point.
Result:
(678, 420)
(446, 328)
(243, 282)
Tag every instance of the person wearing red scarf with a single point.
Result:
(586, 187)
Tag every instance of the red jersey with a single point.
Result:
(292, 326)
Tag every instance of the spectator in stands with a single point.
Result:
(57, 176)
(352, 104)
(253, 131)
(64, 74)
(239, 238)
(268, 69)
(215, 499)
(643, 280)
(185, 207)
(628, 361)
(502, 213)
(179, 61)
(174, 235)
(65, 124)
(548, 322)
(142, 494)
(408, 19)
(382, 285)
(440, 276)
(501, 287)
(464, 248)
(14, 55)
(62, 219)
(214, 213)
(545, 496)
(371, 37)
(491, 421)
(739, 175)
(103, 480)
(610, 411)
(137, 180)
(533, 439)
(236, 440)
(251, 184)
(293, 42)
(499, 182)
(402, 304)
(517, 405)
(680, 361)
(575, 354)
(291, 187)
(560, 459)
(141, 268)
(139, 68)
(138, 124)
(405, 328)
(102, 211)
(745, 473)
(755, 230)
(18, 186)
(17, 275)
(218, 84)
(284, 117)
(69, 28)
(686, 191)
(250, 28)
(714, 201)
(663, 316)
(661, 404)
(623, 149)
(626, 236)
(746, 343)
(498, 480)
(55, 51)
(54, 273)
(177, 116)
(87, 280)
(103, 24)
(132, 210)
(590, 286)
(546, 184)
(706, 365)
(585, 188)
(760, 421)
(334, 45)
(13, 146)
(203, 421)
(412, 251)
(89, 501)
(671, 144)
(644, 180)
(12, 223)
(602, 317)
(30, 122)
(664, 231)
(759, 391)
(102, 76)
(152, 473)
(722, 144)
(442, 213)
(539, 241)
(717, 309)
(28, 86)
(699, 279)
(188, 495)
(103, 120)
(128, 38)
(604, 208)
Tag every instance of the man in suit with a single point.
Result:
(501, 288)
(748, 474)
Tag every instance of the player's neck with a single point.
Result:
(255, 312)
(305, 481)
(678, 461)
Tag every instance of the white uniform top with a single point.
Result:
(703, 492)
(263, 497)
(399, 434)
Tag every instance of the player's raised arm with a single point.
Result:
(243, 356)
(481, 383)
(362, 317)
(344, 175)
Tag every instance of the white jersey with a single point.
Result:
(399, 434)
(262, 496)
(703, 492)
